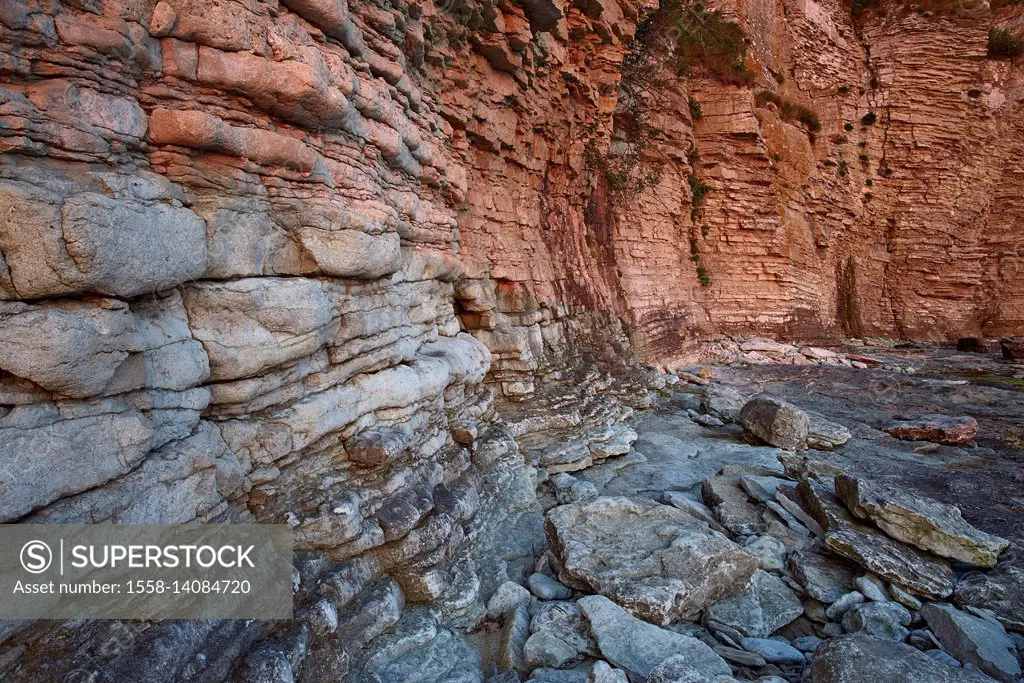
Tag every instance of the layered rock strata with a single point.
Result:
(345, 267)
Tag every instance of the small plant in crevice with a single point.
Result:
(842, 168)
(847, 126)
(695, 110)
(703, 275)
(677, 37)
(864, 158)
(974, 93)
(705, 40)
(699, 189)
(790, 110)
(1003, 43)
(869, 119)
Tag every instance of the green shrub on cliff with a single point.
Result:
(1004, 43)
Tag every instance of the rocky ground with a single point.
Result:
(712, 544)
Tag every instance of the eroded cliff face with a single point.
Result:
(337, 266)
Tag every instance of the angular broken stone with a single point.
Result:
(887, 620)
(910, 568)
(565, 621)
(766, 606)
(762, 489)
(973, 640)
(951, 431)
(863, 659)
(544, 649)
(652, 559)
(790, 500)
(823, 578)
(695, 508)
(733, 509)
(639, 647)
(722, 401)
(779, 423)
(922, 522)
(1000, 591)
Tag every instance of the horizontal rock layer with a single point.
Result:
(323, 263)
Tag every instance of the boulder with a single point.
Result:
(779, 423)
(973, 640)
(910, 568)
(858, 659)
(652, 559)
(943, 429)
(974, 345)
(638, 647)
(767, 605)
(920, 521)
(1012, 348)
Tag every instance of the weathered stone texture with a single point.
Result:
(296, 263)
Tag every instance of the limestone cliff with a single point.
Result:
(323, 263)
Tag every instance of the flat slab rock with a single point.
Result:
(863, 659)
(943, 429)
(656, 561)
(638, 647)
(908, 567)
(922, 522)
